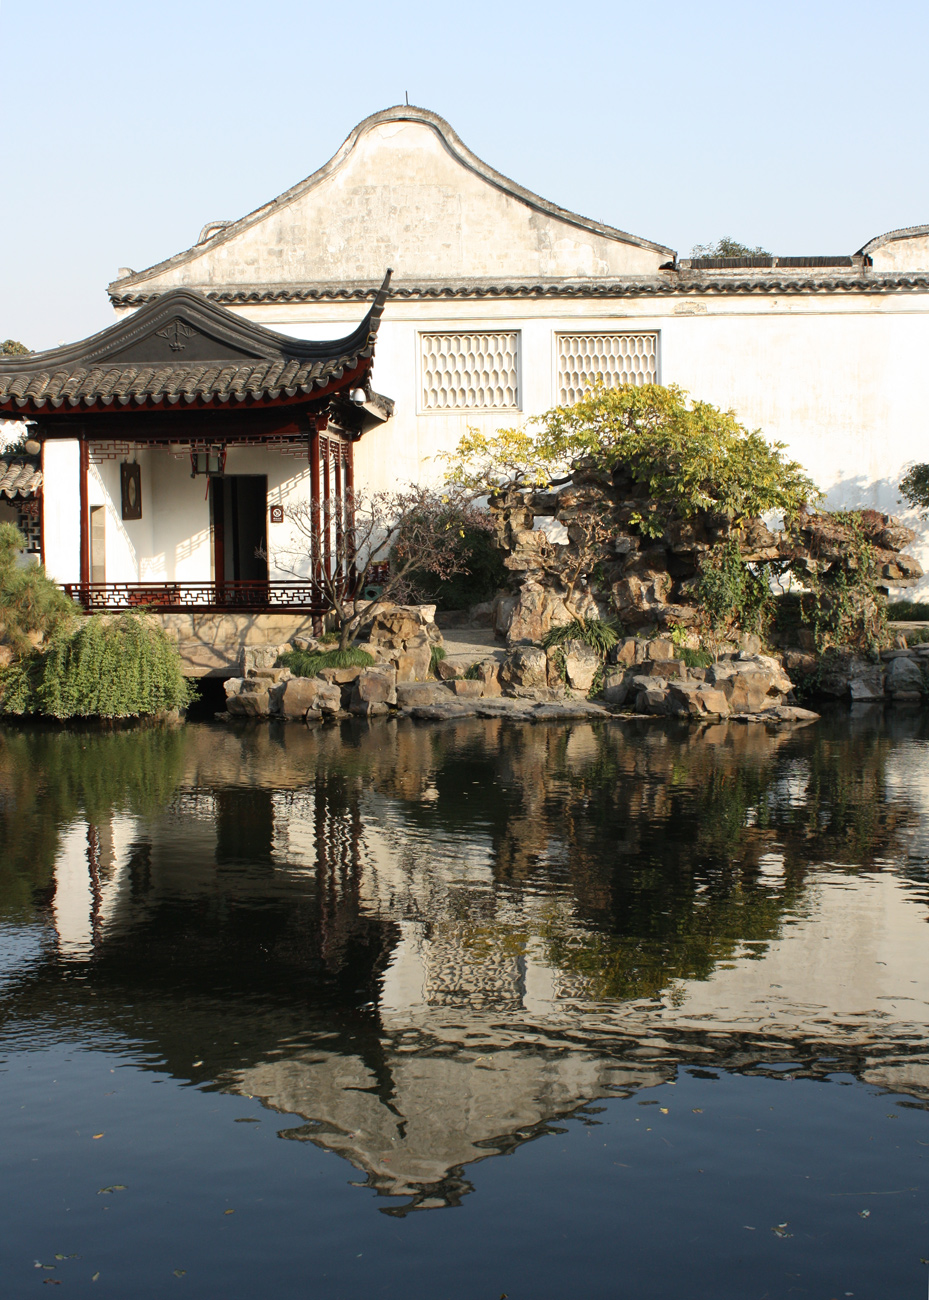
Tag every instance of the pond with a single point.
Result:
(481, 1009)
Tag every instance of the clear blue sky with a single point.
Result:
(126, 126)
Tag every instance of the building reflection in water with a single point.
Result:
(423, 946)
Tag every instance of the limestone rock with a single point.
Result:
(866, 681)
(788, 713)
(535, 612)
(301, 695)
(567, 711)
(503, 607)
(904, 679)
(615, 689)
(489, 677)
(260, 656)
(341, 676)
(447, 672)
(394, 626)
(374, 689)
(439, 712)
(414, 694)
(466, 689)
(524, 668)
(659, 650)
(581, 665)
(249, 704)
(233, 685)
(697, 700)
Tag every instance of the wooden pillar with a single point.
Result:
(350, 509)
(316, 505)
(327, 508)
(339, 512)
(85, 512)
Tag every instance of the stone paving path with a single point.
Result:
(467, 645)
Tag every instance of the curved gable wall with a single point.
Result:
(398, 195)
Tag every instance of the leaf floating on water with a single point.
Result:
(781, 1231)
(864, 1214)
(228, 1211)
(195, 1064)
(97, 1136)
(117, 1187)
(51, 1281)
(698, 1110)
(95, 1276)
(246, 1119)
(180, 1272)
(663, 1109)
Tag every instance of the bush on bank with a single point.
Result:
(32, 607)
(108, 667)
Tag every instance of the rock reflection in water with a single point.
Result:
(427, 944)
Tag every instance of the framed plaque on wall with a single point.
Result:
(130, 481)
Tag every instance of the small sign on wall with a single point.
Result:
(277, 514)
(130, 482)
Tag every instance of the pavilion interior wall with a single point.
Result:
(173, 539)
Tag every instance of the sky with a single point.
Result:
(127, 126)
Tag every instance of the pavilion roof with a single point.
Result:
(183, 348)
(20, 476)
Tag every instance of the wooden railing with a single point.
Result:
(253, 596)
(256, 596)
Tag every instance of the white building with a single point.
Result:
(501, 306)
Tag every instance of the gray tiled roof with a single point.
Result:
(20, 477)
(142, 361)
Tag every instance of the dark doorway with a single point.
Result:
(239, 508)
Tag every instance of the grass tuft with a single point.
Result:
(600, 634)
(307, 663)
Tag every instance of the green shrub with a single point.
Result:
(120, 667)
(307, 663)
(479, 580)
(601, 634)
(436, 655)
(730, 592)
(473, 672)
(908, 611)
(29, 601)
(695, 658)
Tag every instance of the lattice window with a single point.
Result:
(462, 372)
(614, 358)
(30, 525)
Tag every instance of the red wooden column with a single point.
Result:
(85, 512)
(327, 507)
(316, 506)
(349, 453)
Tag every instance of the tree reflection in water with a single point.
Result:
(428, 943)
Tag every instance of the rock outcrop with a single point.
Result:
(650, 581)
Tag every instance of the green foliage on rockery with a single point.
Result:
(110, 667)
(31, 605)
(684, 457)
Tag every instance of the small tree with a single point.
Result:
(32, 607)
(365, 549)
(914, 487)
(728, 247)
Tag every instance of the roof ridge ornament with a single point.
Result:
(175, 332)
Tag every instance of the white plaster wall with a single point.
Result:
(128, 541)
(841, 379)
(911, 254)
(61, 515)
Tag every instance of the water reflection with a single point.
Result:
(423, 945)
